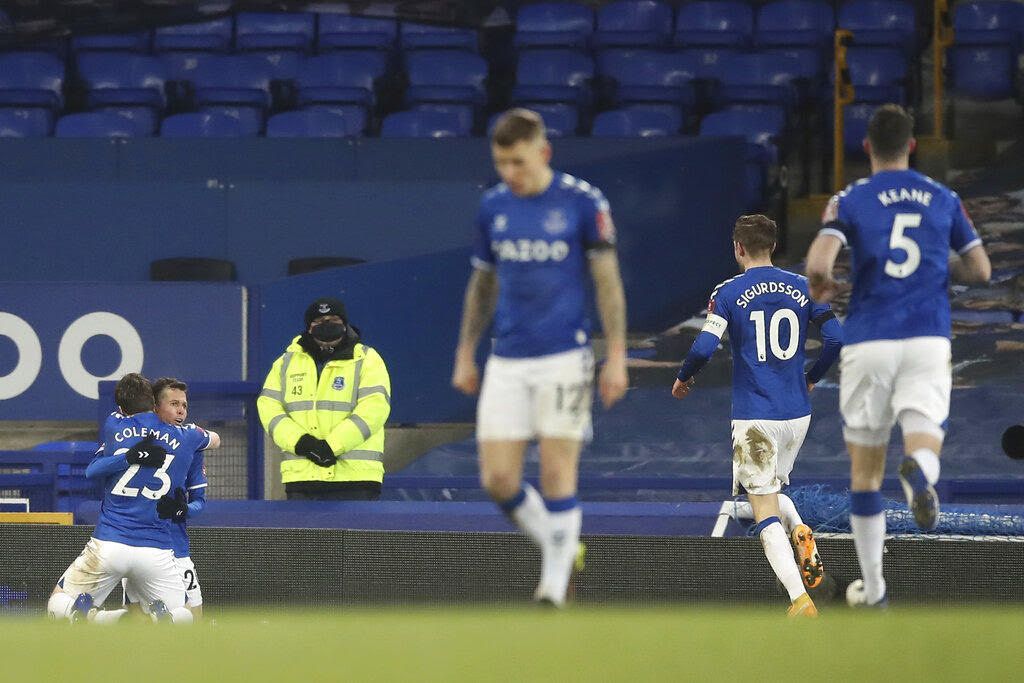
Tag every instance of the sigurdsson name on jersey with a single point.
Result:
(525, 250)
(902, 194)
(143, 432)
(760, 288)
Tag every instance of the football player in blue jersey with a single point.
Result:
(143, 460)
(767, 312)
(539, 233)
(900, 226)
(172, 407)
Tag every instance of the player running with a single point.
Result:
(143, 460)
(766, 311)
(895, 367)
(538, 233)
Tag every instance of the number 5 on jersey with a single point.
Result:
(898, 240)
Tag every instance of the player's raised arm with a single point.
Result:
(611, 306)
(477, 311)
(703, 347)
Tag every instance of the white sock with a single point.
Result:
(780, 555)
(531, 516)
(869, 539)
(59, 605)
(928, 461)
(787, 512)
(562, 544)
(181, 615)
(109, 616)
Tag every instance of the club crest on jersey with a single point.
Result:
(500, 223)
(339, 383)
(555, 222)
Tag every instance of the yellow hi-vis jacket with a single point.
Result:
(347, 407)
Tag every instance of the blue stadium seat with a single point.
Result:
(761, 78)
(355, 115)
(145, 119)
(96, 124)
(634, 122)
(554, 76)
(560, 120)
(206, 36)
(308, 124)
(113, 79)
(796, 23)
(207, 125)
(275, 31)
(761, 132)
(413, 36)
(633, 23)
(649, 76)
(342, 78)
(25, 123)
(31, 79)
(709, 61)
(982, 61)
(855, 126)
(709, 23)
(878, 74)
(346, 32)
(996, 22)
(282, 65)
(235, 80)
(467, 115)
(112, 42)
(889, 23)
(554, 25)
(181, 65)
(423, 124)
(453, 76)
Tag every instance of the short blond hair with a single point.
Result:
(517, 125)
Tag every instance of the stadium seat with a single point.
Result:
(207, 125)
(878, 74)
(889, 23)
(96, 124)
(554, 76)
(634, 122)
(113, 79)
(708, 61)
(355, 115)
(25, 123)
(710, 23)
(206, 36)
(413, 36)
(249, 118)
(795, 23)
(343, 78)
(554, 25)
(633, 23)
(282, 65)
(855, 126)
(192, 269)
(145, 119)
(762, 78)
(275, 31)
(111, 42)
(309, 124)
(310, 264)
(560, 120)
(982, 61)
(237, 80)
(31, 79)
(648, 76)
(452, 76)
(995, 22)
(345, 32)
(761, 132)
(423, 124)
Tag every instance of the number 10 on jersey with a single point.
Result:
(774, 324)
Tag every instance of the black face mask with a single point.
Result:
(328, 332)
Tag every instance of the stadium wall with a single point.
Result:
(330, 567)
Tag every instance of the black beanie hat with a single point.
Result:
(325, 305)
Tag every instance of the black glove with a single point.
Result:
(173, 508)
(317, 450)
(146, 453)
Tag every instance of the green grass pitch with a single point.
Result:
(519, 644)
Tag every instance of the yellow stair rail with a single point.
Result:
(842, 95)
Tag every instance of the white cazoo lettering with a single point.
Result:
(527, 251)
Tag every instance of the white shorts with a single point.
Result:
(763, 453)
(103, 564)
(880, 379)
(527, 398)
(189, 579)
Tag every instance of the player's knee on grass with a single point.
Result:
(181, 615)
(59, 604)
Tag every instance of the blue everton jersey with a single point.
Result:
(128, 512)
(900, 226)
(195, 487)
(538, 245)
(766, 311)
